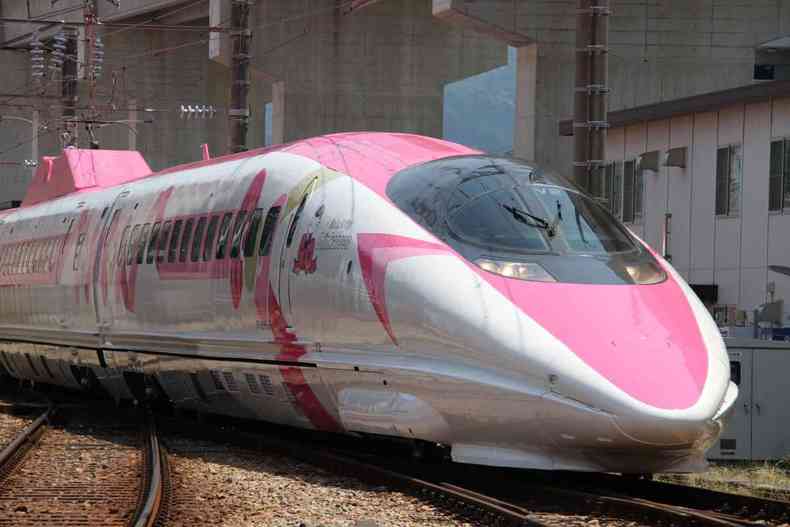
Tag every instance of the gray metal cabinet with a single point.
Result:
(759, 427)
(770, 406)
(736, 439)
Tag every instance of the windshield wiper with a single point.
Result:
(525, 217)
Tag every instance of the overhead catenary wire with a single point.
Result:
(155, 18)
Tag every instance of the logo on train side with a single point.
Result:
(306, 260)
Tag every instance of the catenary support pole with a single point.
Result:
(69, 95)
(239, 113)
(590, 95)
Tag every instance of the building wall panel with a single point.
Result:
(752, 288)
(655, 185)
(730, 125)
(781, 117)
(728, 243)
(729, 282)
(756, 165)
(679, 182)
(703, 191)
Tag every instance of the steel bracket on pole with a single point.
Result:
(239, 112)
(595, 11)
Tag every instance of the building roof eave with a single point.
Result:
(705, 102)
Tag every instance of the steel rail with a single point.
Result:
(26, 438)
(152, 500)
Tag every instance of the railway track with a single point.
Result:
(82, 471)
(502, 497)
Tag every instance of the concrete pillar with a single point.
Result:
(526, 95)
(132, 124)
(34, 142)
(278, 112)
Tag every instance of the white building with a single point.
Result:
(719, 164)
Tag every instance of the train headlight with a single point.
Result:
(521, 270)
(646, 273)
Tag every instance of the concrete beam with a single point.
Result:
(526, 98)
(454, 12)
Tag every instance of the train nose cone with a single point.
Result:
(697, 426)
(660, 365)
(645, 340)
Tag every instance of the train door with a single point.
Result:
(297, 254)
(103, 264)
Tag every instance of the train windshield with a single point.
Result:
(485, 206)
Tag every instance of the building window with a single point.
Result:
(639, 192)
(629, 168)
(779, 182)
(729, 167)
(622, 187)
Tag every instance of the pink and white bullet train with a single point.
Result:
(366, 283)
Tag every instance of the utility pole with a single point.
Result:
(591, 91)
(69, 96)
(239, 113)
(89, 65)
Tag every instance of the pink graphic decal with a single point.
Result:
(644, 339)
(376, 251)
(306, 261)
(248, 204)
(293, 377)
(262, 286)
(77, 170)
(128, 273)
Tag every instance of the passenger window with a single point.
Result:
(222, 242)
(77, 250)
(198, 238)
(141, 243)
(164, 236)
(66, 236)
(252, 233)
(268, 230)
(237, 233)
(122, 245)
(171, 252)
(208, 248)
(297, 217)
(113, 221)
(182, 256)
(152, 243)
(132, 244)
